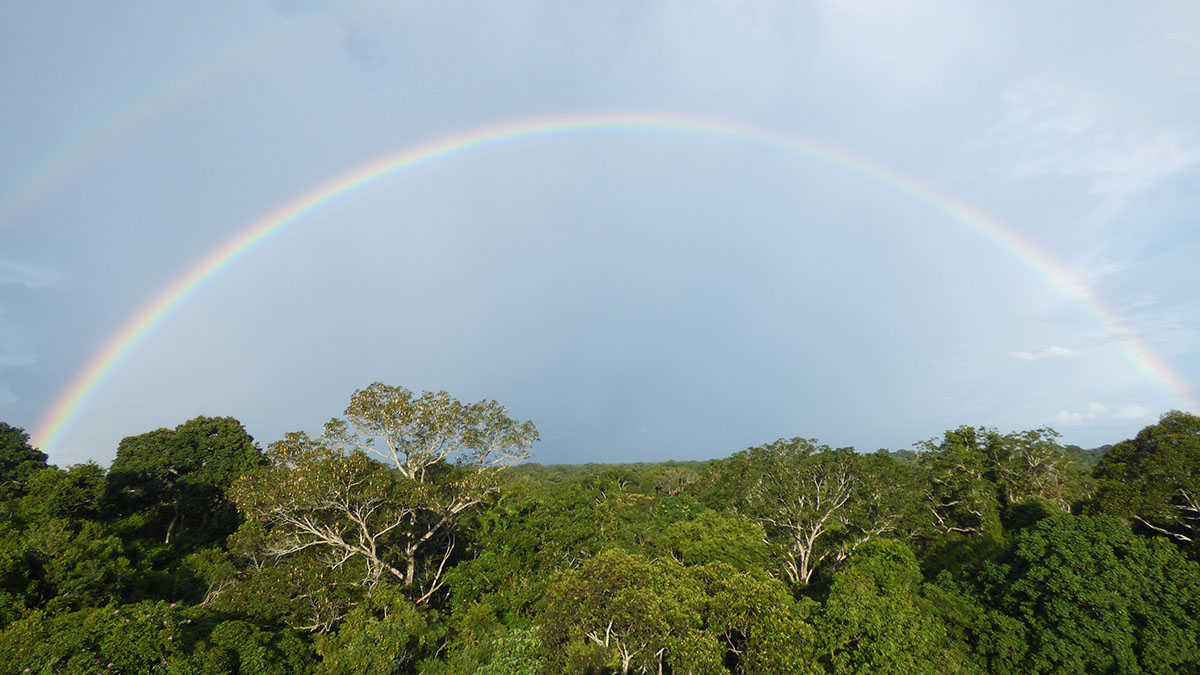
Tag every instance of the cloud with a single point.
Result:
(1053, 129)
(26, 274)
(1131, 411)
(16, 341)
(14, 351)
(1051, 352)
(1098, 412)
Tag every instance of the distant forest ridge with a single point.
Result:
(1088, 458)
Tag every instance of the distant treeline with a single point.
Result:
(413, 536)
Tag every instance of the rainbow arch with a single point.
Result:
(85, 383)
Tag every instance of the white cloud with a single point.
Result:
(1131, 411)
(1098, 412)
(1051, 352)
(26, 274)
(1066, 417)
(1052, 129)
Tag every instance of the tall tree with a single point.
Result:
(395, 519)
(815, 504)
(624, 611)
(177, 478)
(1155, 479)
(1032, 465)
(959, 497)
(417, 434)
(973, 475)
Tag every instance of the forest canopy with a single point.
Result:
(412, 535)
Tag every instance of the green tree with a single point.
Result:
(174, 481)
(960, 501)
(492, 649)
(718, 537)
(1032, 465)
(149, 637)
(815, 504)
(874, 620)
(385, 634)
(1083, 594)
(302, 591)
(417, 434)
(395, 519)
(76, 493)
(535, 529)
(18, 461)
(761, 628)
(59, 554)
(248, 649)
(959, 498)
(312, 497)
(637, 615)
(1155, 479)
(18, 586)
(78, 562)
(515, 652)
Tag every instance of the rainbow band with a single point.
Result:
(173, 90)
(85, 383)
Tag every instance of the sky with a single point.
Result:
(722, 224)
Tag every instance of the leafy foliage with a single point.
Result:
(177, 479)
(1084, 594)
(18, 461)
(404, 540)
(815, 504)
(1155, 479)
(637, 612)
(874, 619)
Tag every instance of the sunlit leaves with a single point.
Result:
(415, 433)
(816, 504)
(1155, 478)
(326, 500)
(633, 609)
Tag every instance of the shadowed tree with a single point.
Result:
(18, 461)
(175, 480)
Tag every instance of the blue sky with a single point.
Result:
(639, 296)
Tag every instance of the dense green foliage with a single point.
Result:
(407, 539)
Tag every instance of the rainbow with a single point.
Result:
(85, 383)
(120, 123)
